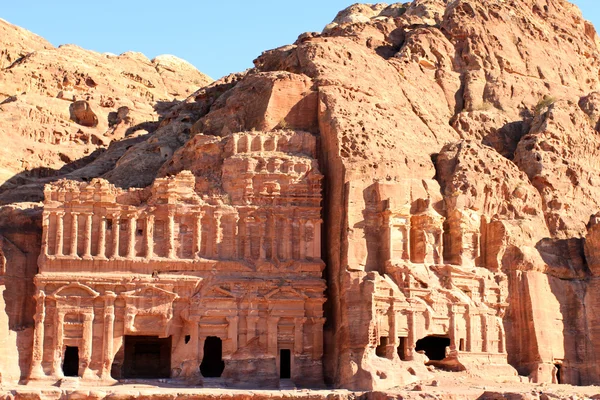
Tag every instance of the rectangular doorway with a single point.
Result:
(147, 357)
(71, 361)
(285, 364)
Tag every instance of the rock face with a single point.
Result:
(48, 132)
(457, 143)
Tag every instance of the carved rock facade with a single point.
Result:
(167, 282)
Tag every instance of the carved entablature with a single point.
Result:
(148, 310)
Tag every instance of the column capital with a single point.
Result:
(88, 316)
(110, 295)
(39, 295)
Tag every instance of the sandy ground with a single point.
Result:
(445, 385)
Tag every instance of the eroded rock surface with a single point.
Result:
(458, 147)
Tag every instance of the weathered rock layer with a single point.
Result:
(458, 141)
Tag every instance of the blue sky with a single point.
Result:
(218, 37)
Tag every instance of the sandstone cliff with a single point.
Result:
(65, 112)
(469, 125)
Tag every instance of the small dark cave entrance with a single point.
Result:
(285, 364)
(434, 347)
(147, 357)
(71, 361)
(402, 348)
(212, 365)
(558, 371)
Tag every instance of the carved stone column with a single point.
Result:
(236, 238)
(241, 235)
(317, 331)
(470, 327)
(116, 230)
(393, 335)
(197, 240)
(317, 238)
(287, 238)
(195, 341)
(58, 251)
(87, 342)
(149, 235)
(299, 335)
(57, 359)
(262, 254)
(109, 328)
(412, 336)
(102, 238)
(74, 232)
(485, 326)
(37, 371)
(247, 240)
(273, 236)
(302, 241)
(131, 227)
(232, 332)
(171, 235)
(218, 238)
(272, 327)
(87, 240)
(45, 232)
(251, 321)
(406, 244)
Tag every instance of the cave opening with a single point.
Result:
(212, 365)
(71, 361)
(285, 364)
(402, 347)
(434, 347)
(381, 350)
(147, 357)
(558, 373)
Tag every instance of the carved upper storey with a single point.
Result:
(269, 211)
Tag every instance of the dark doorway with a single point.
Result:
(558, 371)
(434, 347)
(147, 357)
(212, 363)
(285, 364)
(71, 361)
(381, 350)
(402, 348)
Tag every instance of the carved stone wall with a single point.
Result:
(242, 265)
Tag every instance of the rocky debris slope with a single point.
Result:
(487, 108)
(61, 108)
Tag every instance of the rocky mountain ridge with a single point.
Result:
(464, 108)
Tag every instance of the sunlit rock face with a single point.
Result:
(413, 189)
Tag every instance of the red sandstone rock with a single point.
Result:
(457, 144)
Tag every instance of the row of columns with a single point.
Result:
(481, 327)
(85, 343)
(317, 323)
(242, 236)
